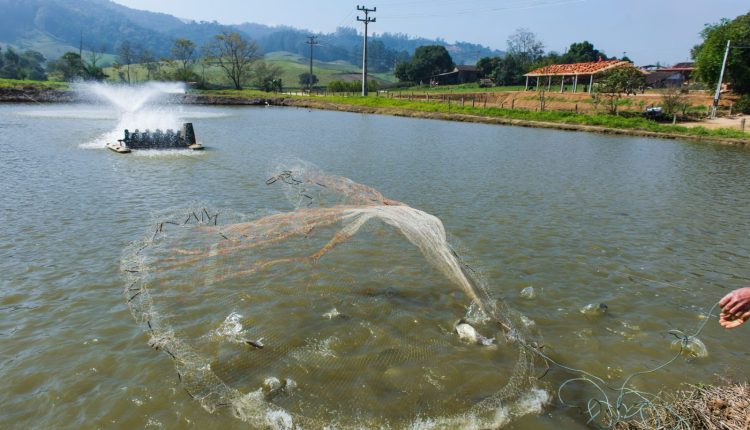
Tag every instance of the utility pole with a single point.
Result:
(366, 20)
(80, 54)
(312, 42)
(721, 78)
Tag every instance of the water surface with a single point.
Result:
(656, 229)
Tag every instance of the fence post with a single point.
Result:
(485, 101)
(513, 103)
(576, 107)
(731, 106)
(742, 125)
(674, 119)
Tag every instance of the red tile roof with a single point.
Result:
(591, 68)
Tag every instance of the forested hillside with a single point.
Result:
(53, 27)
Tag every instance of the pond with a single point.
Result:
(657, 230)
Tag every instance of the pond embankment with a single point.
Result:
(41, 95)
(322, 103)
(35, 95)
(461, 117)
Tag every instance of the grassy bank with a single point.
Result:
(393, 106)
(33, 85)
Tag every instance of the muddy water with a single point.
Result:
(657, 230)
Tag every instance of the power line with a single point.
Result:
(366, 20)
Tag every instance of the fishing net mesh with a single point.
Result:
(339, 313)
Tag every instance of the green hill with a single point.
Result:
(54, 27)
(292, 65)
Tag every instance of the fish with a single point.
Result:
(468, 333)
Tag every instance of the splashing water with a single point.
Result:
(130, 98)
(139, 106)
(249, 299)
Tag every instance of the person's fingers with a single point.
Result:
(728, 320)
(723, 302)
(734, 324)
(731, 323)
(737, 308)
(729, 302)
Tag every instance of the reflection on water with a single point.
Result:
(656, 230)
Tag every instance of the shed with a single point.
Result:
(664, 79)
(684, 70)
(574, 71)
(460, 74)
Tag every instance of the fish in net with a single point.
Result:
(352, 310)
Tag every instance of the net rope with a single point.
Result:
(341, 312)
(203, 283)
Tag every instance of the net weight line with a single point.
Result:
(604, 411)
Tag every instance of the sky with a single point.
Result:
(647, 31)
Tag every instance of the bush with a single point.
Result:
(185, 75)
(743, 104)
(673, 100)
(351, 86)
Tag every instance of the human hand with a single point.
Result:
(735, 308)
(728, 320)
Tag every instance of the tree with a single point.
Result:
(509, 70)
(234, 55)
(306, 79)
(33, 65)
(148, 60)
(618, 82)
(403, 72)
(205, 63)
(28, 65)
(674, 100)
(526, 47)
(11, 65)
(92, 70)
(127, 53)
(582, 52)
(428, 61)
(68, 67)
(183, 50)
(710, 54)
(264, 75)
(487, 65)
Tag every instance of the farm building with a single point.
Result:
(573, 73)
(674, 76)
(459, 75)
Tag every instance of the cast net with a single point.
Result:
(350, 311)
